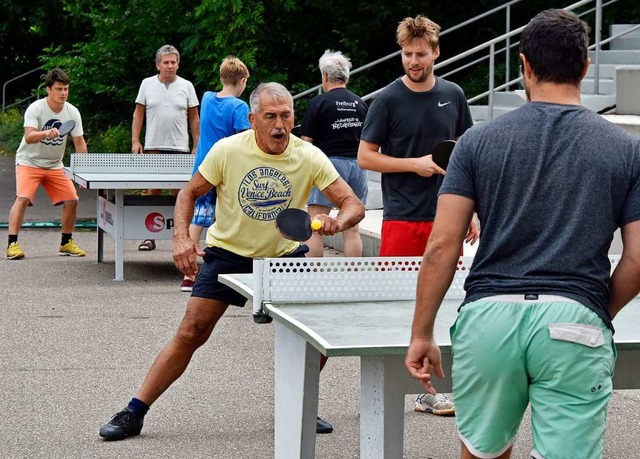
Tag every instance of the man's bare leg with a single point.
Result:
(352, 242)
(69, 215)
(198, 322)
(16, 215)
(466, 454)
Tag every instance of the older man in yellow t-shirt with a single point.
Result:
(258, 173)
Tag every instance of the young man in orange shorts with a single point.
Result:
(39, 162)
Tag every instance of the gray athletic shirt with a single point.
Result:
(551, 183)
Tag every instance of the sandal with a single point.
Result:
(147, 244)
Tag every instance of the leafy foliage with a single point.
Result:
(108, 47)
(10, 131)
(107, 67)
(114, 139)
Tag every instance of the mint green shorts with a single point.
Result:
(552, 352)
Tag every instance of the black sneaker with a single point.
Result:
(323, 427)
(122, 425)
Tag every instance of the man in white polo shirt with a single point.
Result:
(168, 101)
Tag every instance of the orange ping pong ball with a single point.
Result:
(316, 225)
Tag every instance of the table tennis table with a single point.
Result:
(124, 215)
(364, 307)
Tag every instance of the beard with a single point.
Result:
(422, 76)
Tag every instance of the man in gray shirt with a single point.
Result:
(550, 183)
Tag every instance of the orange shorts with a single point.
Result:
(57, 185)
(404, 239)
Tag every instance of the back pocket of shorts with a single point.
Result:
(587, 335)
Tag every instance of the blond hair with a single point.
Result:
(420, 27)
(232, 70)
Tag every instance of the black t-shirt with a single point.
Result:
(334, 121)
(408, 124)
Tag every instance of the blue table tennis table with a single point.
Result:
(364, 307)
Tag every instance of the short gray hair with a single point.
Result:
(275, 90)
(335, 65)
(166, 49)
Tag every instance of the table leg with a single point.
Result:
(119, 235)
(383, 385)
(382, 388)
(99, 231)
(297, 366)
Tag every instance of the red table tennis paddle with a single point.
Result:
(296, 224)
(66, 127)
(442, 152)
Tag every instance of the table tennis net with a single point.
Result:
(313, 280)
(329, 280)
(129, 163)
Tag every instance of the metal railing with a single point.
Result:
(507, 7)
(4, 89)
(505, 43)
(509, 36)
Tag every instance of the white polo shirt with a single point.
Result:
(166, 109)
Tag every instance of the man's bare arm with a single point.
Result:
(136, 128)
(625, 280)
(371, 159)
(185, 250)
(80, 144)
(436, 273)
(351, 209)
(194, 126)
(450, 226)
(32, 135)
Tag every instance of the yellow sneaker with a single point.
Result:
(14, 252)
(70, 249)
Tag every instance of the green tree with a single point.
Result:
(108, 47)
(107, 66)
(25, 29)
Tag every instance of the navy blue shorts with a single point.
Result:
(221, 261)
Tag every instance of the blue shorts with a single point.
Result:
(349, 170)
(550, 352)
(204, 209)
(221, 261)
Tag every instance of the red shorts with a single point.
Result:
(404, 239)
(57, 185)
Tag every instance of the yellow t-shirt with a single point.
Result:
(253, 187)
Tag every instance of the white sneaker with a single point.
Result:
(439, 404)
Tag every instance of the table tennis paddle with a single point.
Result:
(66, 127)
(296, 224)
(442, 152)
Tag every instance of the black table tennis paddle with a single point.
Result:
(66, 127)
(442, 152)
(296, 224)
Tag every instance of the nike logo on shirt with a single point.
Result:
(440, 104)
